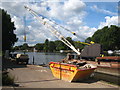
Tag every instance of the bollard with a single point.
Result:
(33, 60)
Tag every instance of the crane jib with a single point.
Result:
(46, 23)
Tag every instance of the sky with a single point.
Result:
(79, 16)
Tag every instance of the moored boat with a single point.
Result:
(106, 62)
(70, 72)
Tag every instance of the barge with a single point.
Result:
(106, 62)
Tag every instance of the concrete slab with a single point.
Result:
(34, 76)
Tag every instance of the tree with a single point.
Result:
(59, 45)
(108, 37)
(78, 45)
(51, 46)
(25, 46)
(16, 48)
(8, 36)
(88, 40)
(46, 48)
(71, 41)
(39, 46)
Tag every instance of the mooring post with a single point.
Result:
(33, 60)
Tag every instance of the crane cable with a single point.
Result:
(24, 28)
(43, 17)
(53, 30)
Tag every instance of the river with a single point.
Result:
(42, 57)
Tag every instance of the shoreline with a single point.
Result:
(12, 67)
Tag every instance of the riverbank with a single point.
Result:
(35, 76)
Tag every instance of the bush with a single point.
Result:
(7, 79)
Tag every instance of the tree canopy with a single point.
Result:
(8, 36)
(51, 46)
(46, 48)
(108, 37)
(24, 46)
(39, 46)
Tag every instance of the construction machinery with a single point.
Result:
(22, 58)
(52, 29)
(88, 51)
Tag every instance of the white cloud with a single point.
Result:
(64, 11)
(98, 9)
(84, 32)
(19, 24)
(74, 6)
(109, 21)
(70, 13)
(14, 8)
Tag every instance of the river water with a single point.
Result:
(42, 57)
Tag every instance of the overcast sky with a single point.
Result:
(83, 18)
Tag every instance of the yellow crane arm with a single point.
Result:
(86, 43)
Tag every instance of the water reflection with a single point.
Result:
(40, 58)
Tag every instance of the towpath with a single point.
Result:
(34, 76)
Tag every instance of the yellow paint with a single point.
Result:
(69, 73)
(73, 33)
(83, 43)
(24, 38)
(86, 43)
(92, 42)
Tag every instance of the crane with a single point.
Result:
(52, 29)
(25, 29)
(86, 43)
(75, 34)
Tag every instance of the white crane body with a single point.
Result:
(47, 22)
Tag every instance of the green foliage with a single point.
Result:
(88, 40)
(108, 37)
(8, 36)
(39, 46)
(25, 46)
(59, 45)
(21, 47)
(71, 41)
(46, 48)
(7, 79)
(16, 48)
(78, 45)
(51, 46)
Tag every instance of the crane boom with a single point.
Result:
(52, 29)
